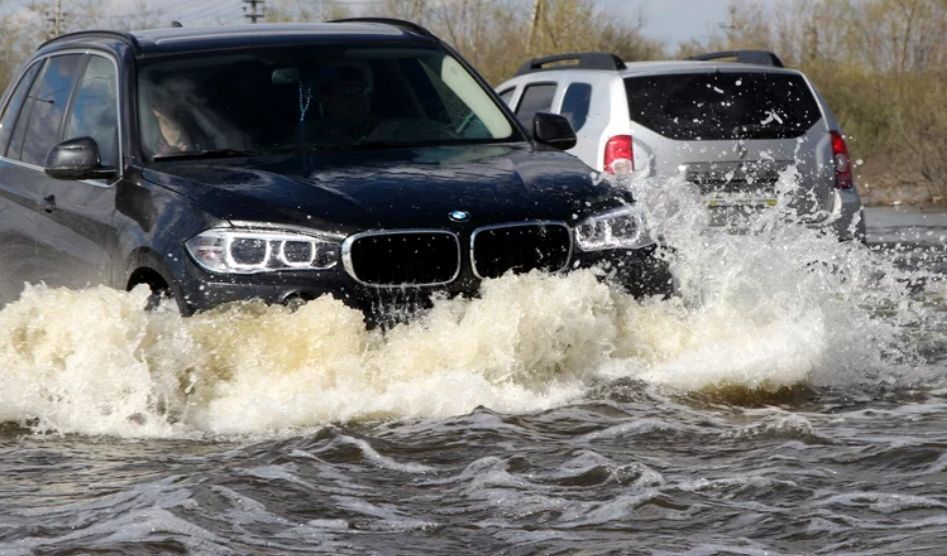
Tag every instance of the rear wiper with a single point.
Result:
(207, 153)
(749, 131)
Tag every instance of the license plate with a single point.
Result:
(737, 211)
(740, 201)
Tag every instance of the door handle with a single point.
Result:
(49, 203)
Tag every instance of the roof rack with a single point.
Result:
(583, 60)
(758, 57)
(127, 38)
(399, 23)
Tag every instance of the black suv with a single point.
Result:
(361, 158)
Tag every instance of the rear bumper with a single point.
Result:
(639, 272)
(845, 219)
(851, 222)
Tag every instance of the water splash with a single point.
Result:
(782, 306)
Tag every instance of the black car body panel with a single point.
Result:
(135, 228)
(397, 188)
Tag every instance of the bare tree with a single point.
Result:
(300, 10)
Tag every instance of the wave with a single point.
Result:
(783, 306)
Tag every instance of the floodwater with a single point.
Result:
(791, 400)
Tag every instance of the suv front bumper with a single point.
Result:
(639, 272)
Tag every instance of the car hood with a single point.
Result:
(394, 188)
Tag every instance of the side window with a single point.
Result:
(9, 117)
(535, 98)
(93, 111)
(507, 95)
(575, 104)
(50, 95)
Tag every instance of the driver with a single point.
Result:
(345, 104)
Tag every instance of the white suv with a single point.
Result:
(731, 127)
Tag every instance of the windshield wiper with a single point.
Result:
(207, 153)
(371, 145)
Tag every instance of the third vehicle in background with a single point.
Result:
(729, 122)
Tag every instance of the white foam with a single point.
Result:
(782, 307)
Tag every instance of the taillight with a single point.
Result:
(843, 165)
(619, 156)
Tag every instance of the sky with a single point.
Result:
(671, 21)
(675, 21)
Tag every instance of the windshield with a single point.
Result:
(313, 97)
(723, 106)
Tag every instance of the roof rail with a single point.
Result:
(758, 57)
(127, 38)
(583, 60)
(399, 23)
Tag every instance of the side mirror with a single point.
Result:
(553, 130)
(76, 159)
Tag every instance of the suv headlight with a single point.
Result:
(254, 250)
(622, 228)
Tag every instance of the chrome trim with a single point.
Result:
(277, 227)
(21, 164)
(120, 161)
(525, 223)
(350, 270)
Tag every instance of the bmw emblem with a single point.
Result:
(459, 215)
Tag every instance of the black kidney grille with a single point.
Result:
(521, 248)
(404, 259)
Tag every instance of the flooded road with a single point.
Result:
(792, 400)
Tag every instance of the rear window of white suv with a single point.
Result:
(723, 106)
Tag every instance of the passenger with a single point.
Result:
(172, 136)
(168, 129)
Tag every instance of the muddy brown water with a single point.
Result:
(778, 407)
